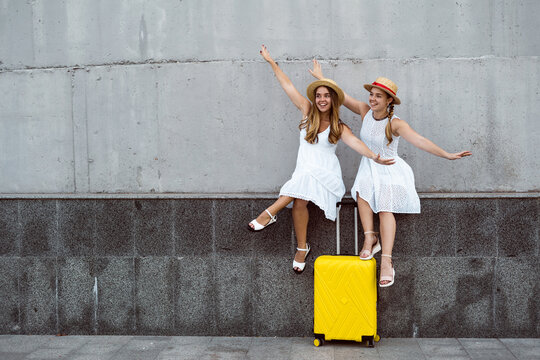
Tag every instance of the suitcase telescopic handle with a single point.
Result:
(338, 247)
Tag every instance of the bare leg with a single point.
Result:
(276, 207)
(366, 217)
(388, 234)
(300, 216)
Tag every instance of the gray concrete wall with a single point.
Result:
(466, 267)
(172, 96)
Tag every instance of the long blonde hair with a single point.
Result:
(312, 122)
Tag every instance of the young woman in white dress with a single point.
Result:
(317, 177)
(384, 190)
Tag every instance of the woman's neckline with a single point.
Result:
(374, 118)
(328, 127)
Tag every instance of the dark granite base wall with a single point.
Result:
(465, 267)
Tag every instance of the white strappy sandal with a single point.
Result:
(259, 227)
(375, 248)
(386, 277)
(299, 265)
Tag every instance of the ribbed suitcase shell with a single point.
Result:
(345, 298)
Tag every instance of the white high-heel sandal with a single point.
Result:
(259, 227)
(299, 265)
(375, 249)
(386, 277)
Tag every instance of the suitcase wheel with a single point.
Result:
(377, 338)
(319, 341)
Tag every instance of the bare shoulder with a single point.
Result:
(398, 122)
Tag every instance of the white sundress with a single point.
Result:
(317, 176)
(388, 188)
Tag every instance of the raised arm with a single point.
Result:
(360, 147)
(401, 128)
(352, 104)
(298, 100)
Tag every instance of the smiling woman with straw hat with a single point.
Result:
(317, 177)
(384, 190)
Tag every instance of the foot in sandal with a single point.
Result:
(264, 218)
(387, 271)
(301, 255)
(371, 247)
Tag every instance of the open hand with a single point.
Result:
(458, 155)
(265, 54)
(317, 71)
(382, 161)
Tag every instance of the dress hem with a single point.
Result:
(302, 197)
(390, 211)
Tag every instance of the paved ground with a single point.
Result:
(16, 347)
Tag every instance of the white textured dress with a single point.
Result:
(317, 176)
(387, 188)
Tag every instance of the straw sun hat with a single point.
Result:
(328, 83)
(386, 85)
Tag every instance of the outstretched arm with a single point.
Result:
(352, 104)
(360, 147)
(401, 128)
(298, 100)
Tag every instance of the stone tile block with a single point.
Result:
(114, 228)
(76, 227)
(9, 228)
(194, 226)
(143, 347)
(191, 347)
(21, 343)
(488, 349)
(46, 354)
(103, 346)
(303, 349)
(11, 356)
(454, 296)
(321, 233)
(234, 300)
(38, 295)
(517, 297)
(396, 304)
(38, 227)
(442, 348)
(436, 228)
(355, 351)
(154, 301)
(264, 348)
(523, 349)
(154, 227)
(9, 296)
(231, 234)
(476, 227)
(402, 349)
(225, 348)
(115, 295)
(518, 227)
(278, 239)
(282, 300)
(408, 241)
(196, 300)
(76, 300)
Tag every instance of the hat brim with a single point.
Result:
(368, 87)
(310, 92)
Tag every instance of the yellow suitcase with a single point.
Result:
(345, 296)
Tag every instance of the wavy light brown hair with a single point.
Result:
(312, 122)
